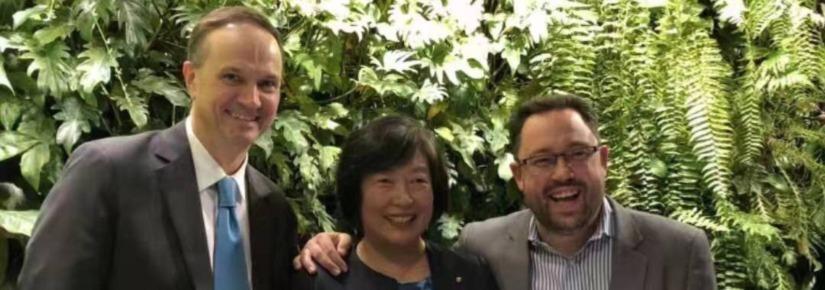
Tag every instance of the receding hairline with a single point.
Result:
(219, 19)
(203, 51)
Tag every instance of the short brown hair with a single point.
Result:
(221, 17)
(558, 101)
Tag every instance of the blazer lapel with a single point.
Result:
(261, 229)
(439, 269)
(178, 185)
(629, 264)
(517, 263)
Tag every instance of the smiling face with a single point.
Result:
(397, 204)
(567, 197)
(236, 89)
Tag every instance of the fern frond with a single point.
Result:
(749, 108)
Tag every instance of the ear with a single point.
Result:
(189, 77)
(517, 175)
(604, 151)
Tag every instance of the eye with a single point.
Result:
(231, 78)
(268, 85)
(543, 161)
(421, 180)
(579, 153)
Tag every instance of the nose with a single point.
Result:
(562, 171)
(402, 196)
(250, 97)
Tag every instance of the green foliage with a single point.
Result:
(707, 107)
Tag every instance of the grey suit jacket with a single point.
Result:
(651, 252)
(126, 214)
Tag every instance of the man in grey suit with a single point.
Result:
(571, 236)
(178, 208)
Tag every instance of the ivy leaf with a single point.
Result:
(450, 226)
(292, 128)
(10, 111)
(429, 93)
(313, 69)
(13, 143)
(336, 110)
(651, 3)
(76, 121)
(388, 84)
(468, 143)
(395, 60)
(132, 102)
(132, 16)
(4, 44)
(31, 163)
(537, 25)
(503, 162)
(22, 16)
(50, 64)
(327, 155)
(731, 11)
(467, 13)
(309, 170)
(87, 13)
(512, 53)
(52, 32)
(12, 194)
(40, 128)
(265, 142)
(4, 80)
(97, 68)
(496, 137)
(18, 222)
(445, 133)
(69, 132)
(163, 86)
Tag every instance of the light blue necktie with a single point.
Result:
(230, 262)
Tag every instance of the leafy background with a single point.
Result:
(714, 111)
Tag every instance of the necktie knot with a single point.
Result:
(227, 189)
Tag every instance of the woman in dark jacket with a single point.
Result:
(392, 184)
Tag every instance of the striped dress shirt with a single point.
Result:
(588, 269)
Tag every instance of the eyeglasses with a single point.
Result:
(574, 158)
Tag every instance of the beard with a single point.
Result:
(567, 223)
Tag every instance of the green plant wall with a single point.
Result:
(713, 110)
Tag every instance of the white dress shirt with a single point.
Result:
(208, 172)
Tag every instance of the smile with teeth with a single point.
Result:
(567, 194)
(241, 117)
(400, 219)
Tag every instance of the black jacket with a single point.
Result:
(449, 270)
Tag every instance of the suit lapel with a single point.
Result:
(439, 269)
(517, 262)
(261, 229)
(629, 264)
(177, 182)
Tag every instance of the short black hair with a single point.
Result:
(386, 143)
(557, 101)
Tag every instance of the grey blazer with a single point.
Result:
(126, 214)
(651, 252)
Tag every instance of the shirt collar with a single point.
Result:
(605, 228)
(207, 170)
